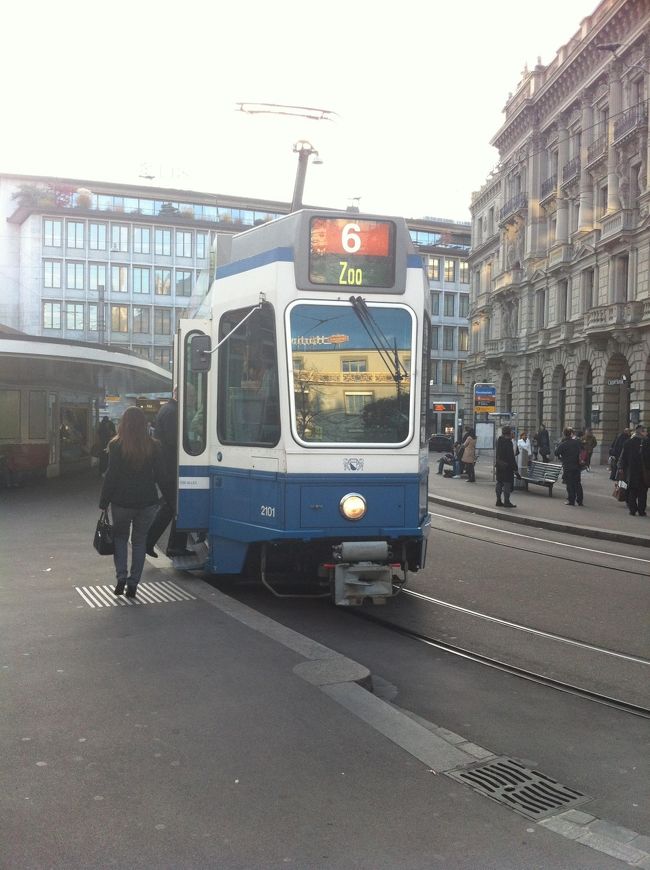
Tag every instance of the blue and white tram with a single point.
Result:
(303, 397)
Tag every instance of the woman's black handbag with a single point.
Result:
(103, 541)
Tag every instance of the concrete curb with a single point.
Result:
(523, 519)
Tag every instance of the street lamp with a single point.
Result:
(304, 150)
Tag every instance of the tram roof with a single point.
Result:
(56, 362)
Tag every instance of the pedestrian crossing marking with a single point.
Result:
(156, 592)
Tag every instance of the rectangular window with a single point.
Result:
(119, 318)
(354, 365)
(162, 323)
(356, 402)
(463, 304)
(10, 415)
(75, 231)
(52, 233)
(141, 279)
(450, 271)
(141, 240)
(163, 242)
(435, 303)
(37, 414)
(74, 276)
(97, 237)
(434, 337)
(448, 337)
(540, 313)
(464, 271)
(51, 315)
(433, 268)
(142, 351)
(447, 372)
(183, 243)
(201, 246)
(450, 304)
(563, 312)
(92, 317)
(119, 238)
(74, 316)
(435, 371)
(460, 373)
(163, 282)
(463, 338)
(52, 273)
(96, 276)
(588, 289)
(119, 279)
(183, 282)
(141, 319)
(163, 357)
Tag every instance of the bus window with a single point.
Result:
(248, 400)
(195, 392)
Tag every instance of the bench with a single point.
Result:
(543, 474)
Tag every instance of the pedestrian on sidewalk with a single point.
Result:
(469, 454)
(524, 449)
(590, 444)
(505, 466)
(105, 431)
(135, 466)
(615, 452)
(634, 469)
(544, 442)
(568, 452)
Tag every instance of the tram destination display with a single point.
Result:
(351, 253)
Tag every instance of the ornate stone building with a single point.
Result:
(560, 259)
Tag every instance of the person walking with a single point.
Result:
(590, 444)
(135, 466)
(469, 455)
(544, 442)
(166, 431)
(634, 469)
(505, 467)
(615, 451)
(568, 452)
(105, 431)
(524, 450)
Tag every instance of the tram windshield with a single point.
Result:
(351, 372)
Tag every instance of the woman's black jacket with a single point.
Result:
(129, 486)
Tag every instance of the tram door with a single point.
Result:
(193, 504)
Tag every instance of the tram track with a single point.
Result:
(506, 667)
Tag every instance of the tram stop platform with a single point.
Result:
(186, 730)
(601, 515)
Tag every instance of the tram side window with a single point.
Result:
(195, 394)
(248, 393)
(9, 414)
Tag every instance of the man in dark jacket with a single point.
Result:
(505, 467)
(615, 452)
(634, 469)
(166, 431)
(543, 442)
(568, 452)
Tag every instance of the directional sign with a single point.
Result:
(485, 398)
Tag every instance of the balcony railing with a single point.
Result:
(548, 186)
(497, 347)
(507, 279)
(597, 149)
(571, 169)
(629, 121)
(606, 317)
(516, 203)
(619, 222)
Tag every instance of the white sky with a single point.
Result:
(111, 90)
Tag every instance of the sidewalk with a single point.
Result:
(600, 517)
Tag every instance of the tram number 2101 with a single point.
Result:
(267, 510)
(349, 275)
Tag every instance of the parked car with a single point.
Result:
(441, 443)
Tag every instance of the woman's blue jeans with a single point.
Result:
(135, 521)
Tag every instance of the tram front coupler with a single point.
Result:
(362, 570)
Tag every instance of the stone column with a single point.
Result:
(615, 108)
(586, 212)
(562, 223)
(532, 240)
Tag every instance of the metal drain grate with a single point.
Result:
(525, 791)
(162, 592)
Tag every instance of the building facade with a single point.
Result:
(560, 258)
(120, 264)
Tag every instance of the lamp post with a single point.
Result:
(304, 150)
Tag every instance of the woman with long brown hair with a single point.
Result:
(135, 467)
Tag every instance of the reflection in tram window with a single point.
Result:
(195, 393)
(249, 403)
(351, 373)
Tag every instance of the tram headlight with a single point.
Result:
(353, 506)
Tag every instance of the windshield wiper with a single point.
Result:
(389, 355)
